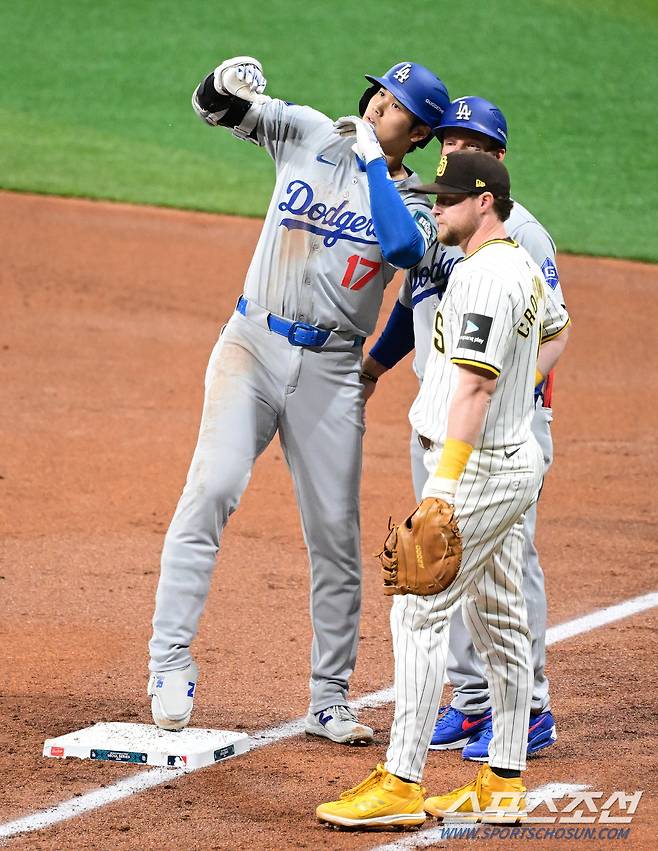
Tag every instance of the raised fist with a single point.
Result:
(242, 77)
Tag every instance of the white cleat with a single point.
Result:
(339, 724)
(172, 697)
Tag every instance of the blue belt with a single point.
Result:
(298, 333)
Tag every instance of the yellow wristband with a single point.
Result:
(538, 377)
(453, 459)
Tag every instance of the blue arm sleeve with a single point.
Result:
(397, 338)
(400, 240)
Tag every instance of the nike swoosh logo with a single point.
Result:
(513, 452)
(321, 159)
(468, 725)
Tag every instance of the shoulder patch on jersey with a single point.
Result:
(425, 225)
(550, 273)
(475, 332)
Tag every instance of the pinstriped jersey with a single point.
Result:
(318, 259)
(425, 284)
(494, 315)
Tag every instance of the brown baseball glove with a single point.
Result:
(422, 554)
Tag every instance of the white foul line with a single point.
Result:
(91, 801)
(157, 776)
(601, 617)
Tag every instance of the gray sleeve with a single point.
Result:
(538, 243)
(280, 125)
(271, 123)
(404, 296)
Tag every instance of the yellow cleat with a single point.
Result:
(489, 798)
(381, 800)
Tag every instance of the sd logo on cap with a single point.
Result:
(469, 173)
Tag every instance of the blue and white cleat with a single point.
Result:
(454, 729)
(541, 734)
(172, 697)
(340, 724)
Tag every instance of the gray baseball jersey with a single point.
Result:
(318, 261)
(318, 258)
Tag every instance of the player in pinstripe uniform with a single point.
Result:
(475, 124)
(473, 413)
(341, 220)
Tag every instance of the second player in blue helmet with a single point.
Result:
(417, 88)
(475, 114)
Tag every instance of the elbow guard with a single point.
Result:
(216, 109)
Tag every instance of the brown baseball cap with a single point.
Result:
(469, 173)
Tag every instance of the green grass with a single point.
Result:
(94, 97)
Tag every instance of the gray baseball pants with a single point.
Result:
(256, 384)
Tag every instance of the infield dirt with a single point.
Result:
(109, 313)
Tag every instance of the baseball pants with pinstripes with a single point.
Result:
(465, 669)
(491, 500)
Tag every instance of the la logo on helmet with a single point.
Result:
(463, 113)
(402, 74)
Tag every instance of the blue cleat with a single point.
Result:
(541, 734)
(454, 729)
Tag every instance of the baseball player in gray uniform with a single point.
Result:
(341, 220)
(475, 124)
(473, 412)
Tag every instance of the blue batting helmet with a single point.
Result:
(476, 114)
(417, 88)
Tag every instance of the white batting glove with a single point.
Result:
(243, 77)
(440, 488)
(367, 145)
